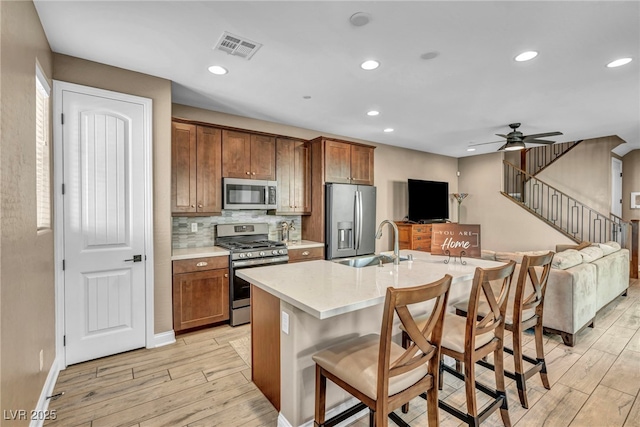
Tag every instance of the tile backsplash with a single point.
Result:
(183, 237)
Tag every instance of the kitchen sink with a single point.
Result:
(367, 260)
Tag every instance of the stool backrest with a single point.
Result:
(426, 340)
(493, 320)
(534, 271)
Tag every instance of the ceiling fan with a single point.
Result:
(515, 139)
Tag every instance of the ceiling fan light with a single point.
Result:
(514, 146)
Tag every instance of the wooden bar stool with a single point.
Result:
(470, 339)
(525, 312)
(379, 372)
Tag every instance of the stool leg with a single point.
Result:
(321, 396)
(498, 356)
(405, 344)
(540, 355)
(470, 389)
(521, 379)
(433, 417)
(440, 373)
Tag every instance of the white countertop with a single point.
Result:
(325, 289)
(304, 244)
(189, 253)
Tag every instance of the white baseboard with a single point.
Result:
(283, 422)
(47, 390)
(163, 338)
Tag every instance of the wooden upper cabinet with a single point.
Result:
(348, 163)
(196, 179)
(246, 155)
(293, 173)
(209, 170)
(361, 165)
(183, 167)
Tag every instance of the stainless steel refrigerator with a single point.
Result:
(350, 222)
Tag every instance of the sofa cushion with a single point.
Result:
(516, 256)
(488, 254)
(566, 259)
(591, 253)
(609, 248)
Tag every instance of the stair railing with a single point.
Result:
(536, 159)
(571, 217)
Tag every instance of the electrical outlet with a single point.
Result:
(194, 227)
(41, 360)
(285, 322)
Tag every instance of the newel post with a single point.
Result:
(635, 237)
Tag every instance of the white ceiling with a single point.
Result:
(472, 90)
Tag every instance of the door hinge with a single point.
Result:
(63, 265)
(620, 174)
(62, 188)
(61, 118)
(620, 201)
(64, 340)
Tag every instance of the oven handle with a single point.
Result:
(260, 261)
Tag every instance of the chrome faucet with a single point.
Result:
(396, 246)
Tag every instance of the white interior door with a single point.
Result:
(616, 186)
(104, 226)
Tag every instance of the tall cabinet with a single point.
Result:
(334, 160)
(196, 182)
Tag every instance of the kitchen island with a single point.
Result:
(300, 309)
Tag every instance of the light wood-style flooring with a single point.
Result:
(204, 379)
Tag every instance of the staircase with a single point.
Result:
(536, 159)
(561, 211)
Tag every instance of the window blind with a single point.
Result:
(43, 175)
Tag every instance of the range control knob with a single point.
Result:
(282, 251)
(249, 254)
(262, 254)
(275, 252)
(241, 255)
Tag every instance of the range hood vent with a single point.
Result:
(237, 46)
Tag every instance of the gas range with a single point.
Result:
(250, 247)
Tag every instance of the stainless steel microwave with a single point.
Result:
(249, 194)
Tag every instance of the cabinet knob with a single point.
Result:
(226, 274)
(305, 253)
(202, 264)
(193, 206)
(253, 173)
(199, 206)
(248, 173)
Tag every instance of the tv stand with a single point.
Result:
(432, 221)
(414, 236)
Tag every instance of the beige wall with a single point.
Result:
(505, 226)
(585, 173)
(392, 166)
(630, 183)
(74, 70)
(27, 316)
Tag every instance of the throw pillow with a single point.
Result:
(566, 259)
(591, 253)
(607, 249)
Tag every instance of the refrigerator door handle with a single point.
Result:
(358, 217)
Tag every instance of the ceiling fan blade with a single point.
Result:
(485, 143)
(502, 148)
(502, 135)
(539, 141)
(539, 135)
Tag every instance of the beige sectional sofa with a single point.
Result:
(581, 282)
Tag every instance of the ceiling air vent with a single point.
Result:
(237, 46)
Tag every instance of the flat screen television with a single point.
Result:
(428, 201)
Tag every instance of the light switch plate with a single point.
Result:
(285, 323)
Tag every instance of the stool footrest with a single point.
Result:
(337, 419)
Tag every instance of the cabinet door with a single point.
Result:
(263, 157)
(285, 175)
(361, 165)
(302, 177)
(200, 298)
(337, 162)
(209, 173)
(236, 154)
(183, 168)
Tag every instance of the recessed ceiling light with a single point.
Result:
(359, 19)
(618, 62)
(373, 113)
(387, 130)
(429, 55)
(218, 70)
(370, 65)
(306, 97)
(471, 149)
(526, 56)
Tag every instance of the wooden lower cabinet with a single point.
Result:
(200, 292)
(306, 254)
(416, 237)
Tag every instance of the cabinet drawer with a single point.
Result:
(297, 255)
(200, 264)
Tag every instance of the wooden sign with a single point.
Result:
(460, 240)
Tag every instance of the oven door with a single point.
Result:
(240, 288)
(249, 194)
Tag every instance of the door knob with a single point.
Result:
(136, 258)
